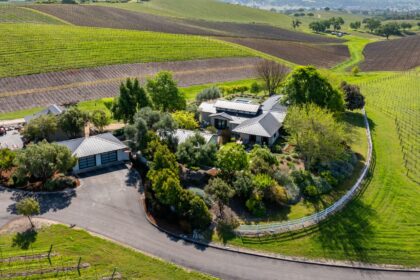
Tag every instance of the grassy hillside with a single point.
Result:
(16, 14)
(210, 10)
(102, 256)
(28, 49)
(380, 226)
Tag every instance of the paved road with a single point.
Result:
(108, 204)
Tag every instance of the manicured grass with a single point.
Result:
(102, 255)
(30, 48)
(16, 14)
(381, 225)
(356, 46)
(210, 10)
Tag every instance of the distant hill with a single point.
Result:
(336, 4)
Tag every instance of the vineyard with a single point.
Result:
(17, 93)
(15, 14)
(29, 49)
(398, 97)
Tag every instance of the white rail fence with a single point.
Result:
(308, 221)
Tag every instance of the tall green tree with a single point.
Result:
(7, 157)
(353, 97)
(391, 28)
(372, 24)
(306, 85)
(132, 98)
(165, 93)
(99, 119)
(43, 127)
(220, 192)
(73, 121)
(28, 207)
(196, 152)
(232, 157)
(317, 135)
(43, 160)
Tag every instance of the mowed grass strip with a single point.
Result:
(16, 14)
(32, 48)
(381, 225)
(102, 255)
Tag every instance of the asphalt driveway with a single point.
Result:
(108, 203)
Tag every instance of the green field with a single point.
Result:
(16, 14)
(29, 49)
(380, 226)
(69, 245)
(210, 10)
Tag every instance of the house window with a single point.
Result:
(220, 124)
(86, 162)
(109, 157)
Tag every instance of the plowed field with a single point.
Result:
(396, 55)
(300, 53)
(17, 93)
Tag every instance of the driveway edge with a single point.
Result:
(355, 265)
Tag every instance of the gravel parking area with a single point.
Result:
(12, 140)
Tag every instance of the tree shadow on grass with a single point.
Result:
(349, 232)
(24, 239)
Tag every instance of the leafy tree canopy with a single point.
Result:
(195, 152)
(40, 128)
(317, 135)
(99, 119)
(132, 98)
(353, 97)
(232, 157)
(72, 121)
(185, 120)
(28, 207)
(7, 157)
(43, 160)
(306, 85)
(165, 93)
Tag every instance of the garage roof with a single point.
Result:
(93, 145)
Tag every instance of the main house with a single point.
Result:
(96, 151)
(250, 122)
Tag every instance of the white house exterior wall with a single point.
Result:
(122, 155)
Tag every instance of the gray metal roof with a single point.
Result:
(182, 135)
(222, 115)
(237, 106)
(273, 104)
(264, 125)
(93, 145)
(207, 107)
(50, 110)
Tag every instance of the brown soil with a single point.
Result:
(17, 93)
(395, 55)
(300, 53)
(109, 17)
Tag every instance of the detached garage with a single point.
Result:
(96, 151)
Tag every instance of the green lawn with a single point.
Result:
(210, 10)
(381, 225)
(356, 46)
(16, 14)
(102, 255)
(32, 48)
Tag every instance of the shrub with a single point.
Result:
(255, 87)
(243, 183)
(262, 182)
(185, 120)
(255, 204)
(211, 129)
(208, 94)
(60, 182)
(311, 191)
(276, 194)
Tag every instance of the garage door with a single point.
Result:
(86, 162)
(109, 157)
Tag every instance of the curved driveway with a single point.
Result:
(108, 204)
